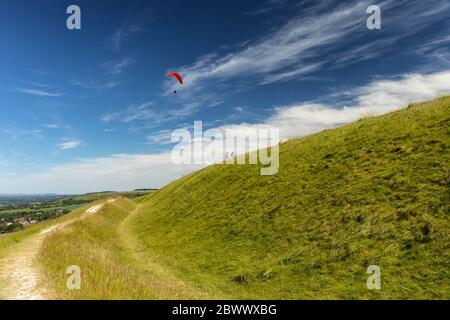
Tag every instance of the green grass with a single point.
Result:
(9, 241)
(372, 192)
(69, 207)
(111, 266)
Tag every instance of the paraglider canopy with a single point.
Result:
(176, 75)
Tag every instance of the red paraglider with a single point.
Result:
(176, 75)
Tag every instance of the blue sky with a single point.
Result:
(92, 109)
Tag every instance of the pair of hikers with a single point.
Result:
(229, 156)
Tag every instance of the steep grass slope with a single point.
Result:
(375, 192)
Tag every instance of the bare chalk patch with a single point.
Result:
(18, 271)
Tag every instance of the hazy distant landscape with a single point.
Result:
(257, 150)
(372, 192)
(20, 211)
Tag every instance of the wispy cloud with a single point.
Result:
(155, 170)
(42, 72)
(56, 126)
(14, 133)
(142, 111)
(116, 67)
(269, 6)
(183, 111)
(437, 51)
(115, 172)
(116, 40)
(108, 84)
(317, 38)
(69, 144)
(160, 137)
(375, 98)
(109, 117)
(147, 111)
(38, 93)
(113, 70)
(37, 84)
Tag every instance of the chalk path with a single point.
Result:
(19, 274)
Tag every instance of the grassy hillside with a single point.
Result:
(12, 242)
(111, 262)
(372, 192)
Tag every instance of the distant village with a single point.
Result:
(17, 215)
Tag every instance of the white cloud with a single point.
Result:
(160, 137)
(185, 110)
(269, 6)
(109, 117)
(316, 38)
(143, 111)
(139, 112)
(375, 98)
(52, 126)
(117, 39)
(42, 72)
(15, 133)
(37, 84)
(118, 66)
(39, 93)
(127, 171)
(147, 111)
(116, 172)
(56, 126)
(110, 84)
(69, 144)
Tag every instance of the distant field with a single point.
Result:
(19, 211)
(25, 204)
(70, 207)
